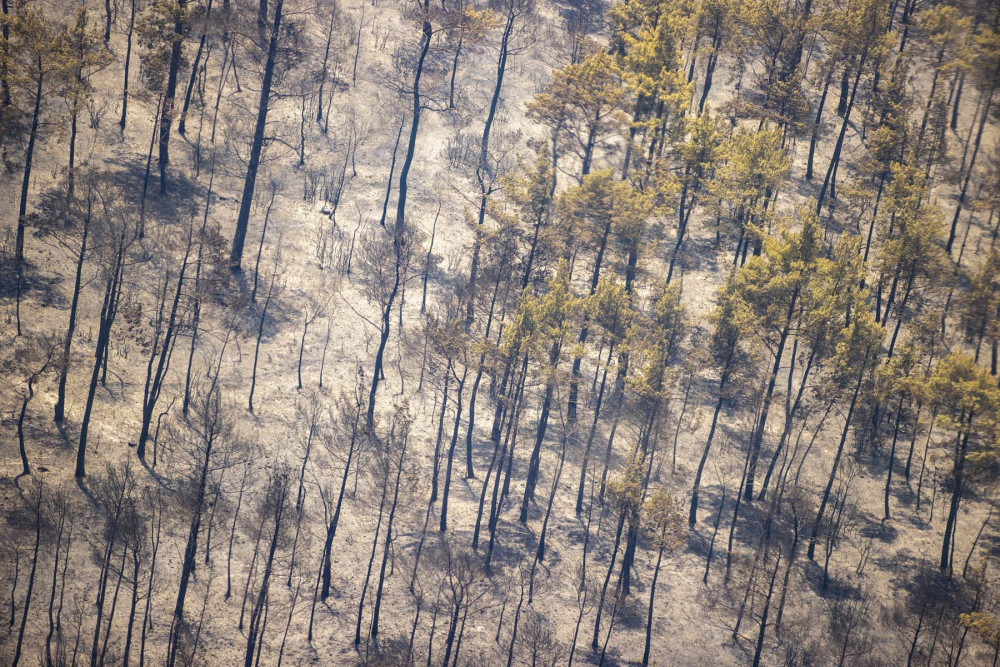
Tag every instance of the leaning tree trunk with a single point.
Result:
(190, 551)
(972, 161)
(194, 68)
(833, 472)
(60, 407)
(843, 130)
(250, 181)
(693, 513)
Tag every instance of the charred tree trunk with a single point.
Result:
(167, 108)
(250, 181)
(60, 407)
(194, 67)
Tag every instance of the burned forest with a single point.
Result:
(500, 333)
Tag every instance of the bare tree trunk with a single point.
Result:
(167, 109)
(451, 451)
(60, 407)
(37, 511)
(194, 67)
(250, 181)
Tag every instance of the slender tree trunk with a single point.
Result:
(715, 533)
(371, 560)
(384, 335)
(128, 60)
(31, 576)
(134, 585)
(194, 68)
(758, 436)
(816, 127)
(454, 69)
(147, 621)
(190, 551)
(789, 416)
(649, 616)
(835, 159)
(60, 407)
(388, 539)
(331, 530)
(956, 495)
(25, 468)
(60, 526)
(892, 456)
(249, 182)
(258, 617)
(392, 170)
(713, 59)
(103, 335)
(167, 108)
(324, 70)
(155, 384)
(426, 33)
(763, 620)
(972, 161)
(22, 207)
(260, 334)
(451, 452)
(833, 470)
(483, 171)
(593, 431)
(693, 513)
(607, 579)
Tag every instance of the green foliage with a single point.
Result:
(752, 166)
(851, 27)
(652, 338)
(857, 346)
(916, 227)
(603, 202)
(155, 28)
(583, 101)
(980, 303)
(834, 290)
(626, 487)
(82, 52)
(734, 322)
(35, 56)
(958, 388)
(780, 277)
(610, 306)
(699, 149)
(984, 625)
(664, 522)
(543, 321)
(652, 63)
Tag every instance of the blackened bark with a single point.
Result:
(693, 513)
(37, 510)
(194, 67)
(836, 464)
(451, 451)
(167, 108)
(392, 171)
(155, 383)
(60, 407)
(388, 538)
(128, 60)
(331, 530)
(103, 335)
(250, 181)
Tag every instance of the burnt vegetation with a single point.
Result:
(506, 332)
